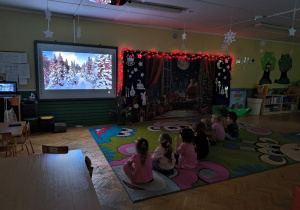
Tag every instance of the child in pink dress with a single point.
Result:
(139, 167)
(186, 152)
(218, 126)
(163, 159)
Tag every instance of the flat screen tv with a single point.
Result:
(8, 88)
(67, 71)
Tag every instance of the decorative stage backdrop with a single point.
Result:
(176, 81)
(258, 150)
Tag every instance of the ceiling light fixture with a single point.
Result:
(156, 6)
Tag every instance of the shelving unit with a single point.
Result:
(275, 104)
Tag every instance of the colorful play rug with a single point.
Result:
(258, 150)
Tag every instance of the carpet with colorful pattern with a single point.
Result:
(258, 150)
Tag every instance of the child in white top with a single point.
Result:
(163, 159)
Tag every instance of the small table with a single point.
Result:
(14, 130)
(48, 182)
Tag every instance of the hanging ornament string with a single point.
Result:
(183, 37)
(292, 30)
(229, 37)
(78, 29)
(48, 14)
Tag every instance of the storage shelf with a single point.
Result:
(276, 104)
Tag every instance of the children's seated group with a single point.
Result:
(194, 146)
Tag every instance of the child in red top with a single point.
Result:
(139, 167)
(186, 152)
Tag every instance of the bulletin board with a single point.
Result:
(14, 67)
(238, 97)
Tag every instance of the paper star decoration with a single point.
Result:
(229, 37)
(48, 33)
(140, 64)
(262, 43)
(140, 55)
(292, 31)
(48, 14)
(184, 36)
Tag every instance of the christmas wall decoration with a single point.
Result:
(134, 78)
(181, 72)
(222, 81)
(268, 64)
(285, 64)
(48, 33)
(228, 39)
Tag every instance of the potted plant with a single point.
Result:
(120, 112)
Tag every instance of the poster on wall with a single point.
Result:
(238, 97)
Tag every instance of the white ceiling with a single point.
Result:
(208, 16)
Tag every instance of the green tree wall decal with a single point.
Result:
(285, 64)
(268, 63)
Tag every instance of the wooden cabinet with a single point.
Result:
(275, 104)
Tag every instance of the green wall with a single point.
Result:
(19, 30)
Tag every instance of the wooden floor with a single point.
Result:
(267, 190)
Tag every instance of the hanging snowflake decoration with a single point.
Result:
(140, 64)
(135, 69)
(224, 47)
(142, 75)
(229, 37)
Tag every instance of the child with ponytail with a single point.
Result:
(163, 159)
(141, 171)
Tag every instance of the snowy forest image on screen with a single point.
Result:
(73, 70)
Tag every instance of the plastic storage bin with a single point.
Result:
(255, 105)
(46, 123)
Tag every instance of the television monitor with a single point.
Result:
(68, 71)
(8, 89)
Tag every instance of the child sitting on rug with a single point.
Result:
(218, 127)
(211, 135)
(232, 129)
(163, 159)
(201, 140)
(141, 171)
(186, 153)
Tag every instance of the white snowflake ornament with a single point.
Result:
(224, 47)
(229, 37)
(142, 75)
(140, 64)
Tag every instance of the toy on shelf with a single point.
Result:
(240, 111)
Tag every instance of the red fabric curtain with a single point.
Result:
(210, 66)
(153, 69)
